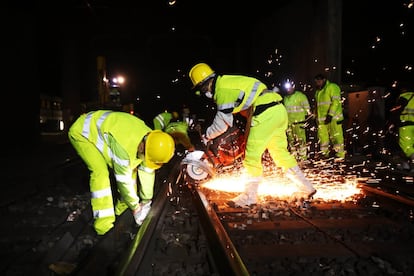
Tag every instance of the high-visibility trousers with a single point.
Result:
(268, 131)
(99, 181)
(296, 135)
(331, 134)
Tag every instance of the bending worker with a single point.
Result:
(179, 132)
(266, 130)
(120, 141)
(162, 120)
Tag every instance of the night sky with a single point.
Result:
(53, 46)
(377, 35)
(378, 42)
(160, 40)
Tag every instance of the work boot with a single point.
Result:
(296, 175)
(242, 200)
(249, 196)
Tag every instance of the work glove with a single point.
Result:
(204, 139)
(141, 212)
(328, 119)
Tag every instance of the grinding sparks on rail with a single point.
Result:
(280, 187)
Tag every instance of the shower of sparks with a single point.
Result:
(278, 186)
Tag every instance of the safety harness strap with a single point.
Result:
(262, 107)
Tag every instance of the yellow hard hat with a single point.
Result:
(159, 149)
(200, 73)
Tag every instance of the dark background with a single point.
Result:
(51, 48)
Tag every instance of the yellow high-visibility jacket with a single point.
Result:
(179, 131)
(232, 94)
(116, 135)
(406, 124)
(407, 114)
(328, 101)
(162, 120)
(297, 106)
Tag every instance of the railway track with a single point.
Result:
(371, 235)
(368, 234)
(191, 231)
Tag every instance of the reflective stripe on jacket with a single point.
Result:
(162, 120)
(117, 136)
(297, 106)
(103, 127)
(232, 94)
(328, 101)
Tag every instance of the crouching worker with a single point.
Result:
(179, 132)
(125, 144)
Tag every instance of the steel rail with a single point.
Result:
(398, 198)
(226, 257)
(135, 254)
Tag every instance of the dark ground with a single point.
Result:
(43, 199)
